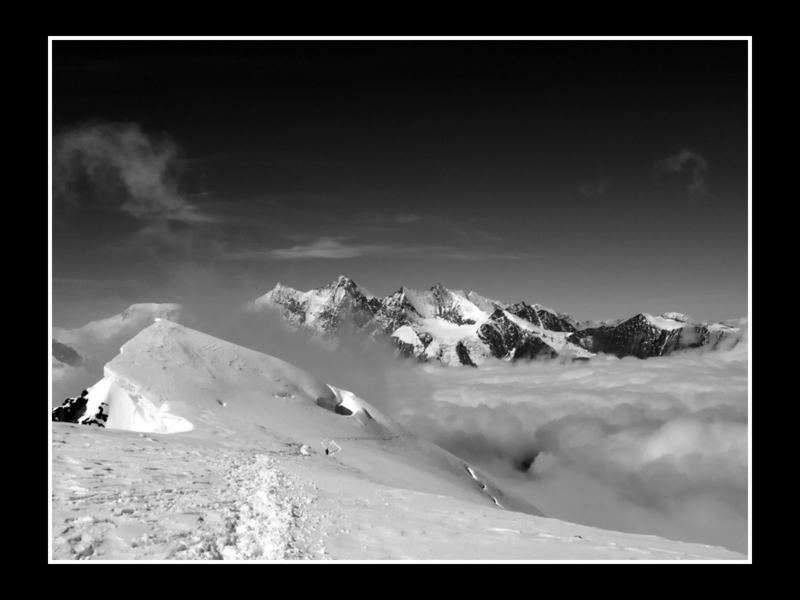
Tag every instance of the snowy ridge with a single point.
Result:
(170, 379)
(214, 451)
(80, 353)
(124, 325)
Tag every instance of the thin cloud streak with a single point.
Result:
(396, 219)
(330, 248)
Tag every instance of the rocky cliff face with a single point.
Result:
(393, 311)
(457, 328)
(645, 336)
(543, 317)
(501, 335)
(325, 309)
(75, 410)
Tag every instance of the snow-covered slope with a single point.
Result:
(172, 379)
(208, 450)
(79, 354)
(126, 495)
(457, 328)
(122, 326)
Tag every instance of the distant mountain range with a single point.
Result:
(439, 325)
(457, 328)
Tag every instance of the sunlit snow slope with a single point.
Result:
(214, 451)
(78, 355)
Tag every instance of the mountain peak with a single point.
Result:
(344, 281)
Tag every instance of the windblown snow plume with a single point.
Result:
(649, 446)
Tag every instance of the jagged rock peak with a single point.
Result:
(342, 282)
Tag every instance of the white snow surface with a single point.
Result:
(130, 409)
(664, 322)
(121, 495)
(250, 481)
(407, 334)
(362, 409)
(446, 332)
(99, 341)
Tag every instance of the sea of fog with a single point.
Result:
(656, 446)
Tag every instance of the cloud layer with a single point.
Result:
(654, 446)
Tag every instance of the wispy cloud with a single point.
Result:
(393, 219)
(332, 248)
(686, 159)
(122, 167)
(325, 247)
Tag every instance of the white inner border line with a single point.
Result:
(747, 38)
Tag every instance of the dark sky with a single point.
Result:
(600, 178)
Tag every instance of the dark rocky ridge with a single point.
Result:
(73, 410)
(638, 337)
(537, 316)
